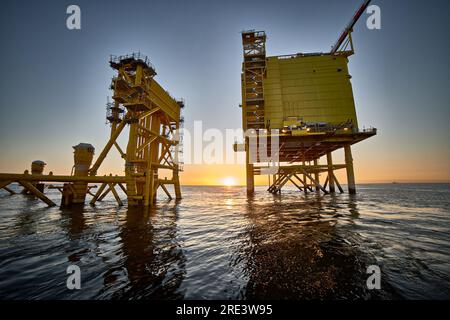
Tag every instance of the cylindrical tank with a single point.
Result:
(82, 156)
(37, 167)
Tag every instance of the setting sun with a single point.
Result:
(229, 181)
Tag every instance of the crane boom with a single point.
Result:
(349, 27)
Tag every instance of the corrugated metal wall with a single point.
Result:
(314, 88)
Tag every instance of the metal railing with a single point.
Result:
(135, 55)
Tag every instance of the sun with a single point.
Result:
(229, 181)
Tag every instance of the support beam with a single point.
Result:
(250, 178)
(109, 144)
(338, 184)
(305, 181)
(295, 184)
(15, 177)
(166, 191)
(330, 172)
(315, 182)
(9, 190)
(316, 175)
(272, 186)
(37, 193)
(275, 185)
(143, 146)
(98, 193)
(123, 188)
(148, 188)
(122, 154)
(285, 180)
(4, 184)
(116, 196)
(106, 192)
(89, 190)
(176, 184)
(305, 186)
(350, 172)
(153, 117)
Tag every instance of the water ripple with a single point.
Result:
(217, 243)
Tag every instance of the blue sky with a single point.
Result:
(55, 81)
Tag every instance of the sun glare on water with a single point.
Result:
(229, 181)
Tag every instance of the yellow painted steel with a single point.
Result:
(83, 154)
(309, 99)
(312, 88)
(12, 177)
(305, 132)
(153, 117)
(162, 99)
(37, 167)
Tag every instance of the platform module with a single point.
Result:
(306, 102)
(153, 118)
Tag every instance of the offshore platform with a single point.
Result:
(304, 101)
(153, 118)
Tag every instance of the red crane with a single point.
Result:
(349, 27)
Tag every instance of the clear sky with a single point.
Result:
(55, 81)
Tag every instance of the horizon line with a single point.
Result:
(344, 184)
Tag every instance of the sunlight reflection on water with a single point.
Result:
(218, 243)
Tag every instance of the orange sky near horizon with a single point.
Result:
(366, 171)
(372, 164)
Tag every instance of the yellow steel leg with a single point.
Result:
(98, 193)
(105, 193)
(316, 175)
(166, 191)
(4, 184)
(176, 183)
(148, 186)
(350, 172)
(129, 165)
(330, 172)
(249, 171)
(37, 193)
(116, 196)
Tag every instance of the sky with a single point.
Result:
(55, 81)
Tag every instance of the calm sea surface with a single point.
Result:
(218, 244)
